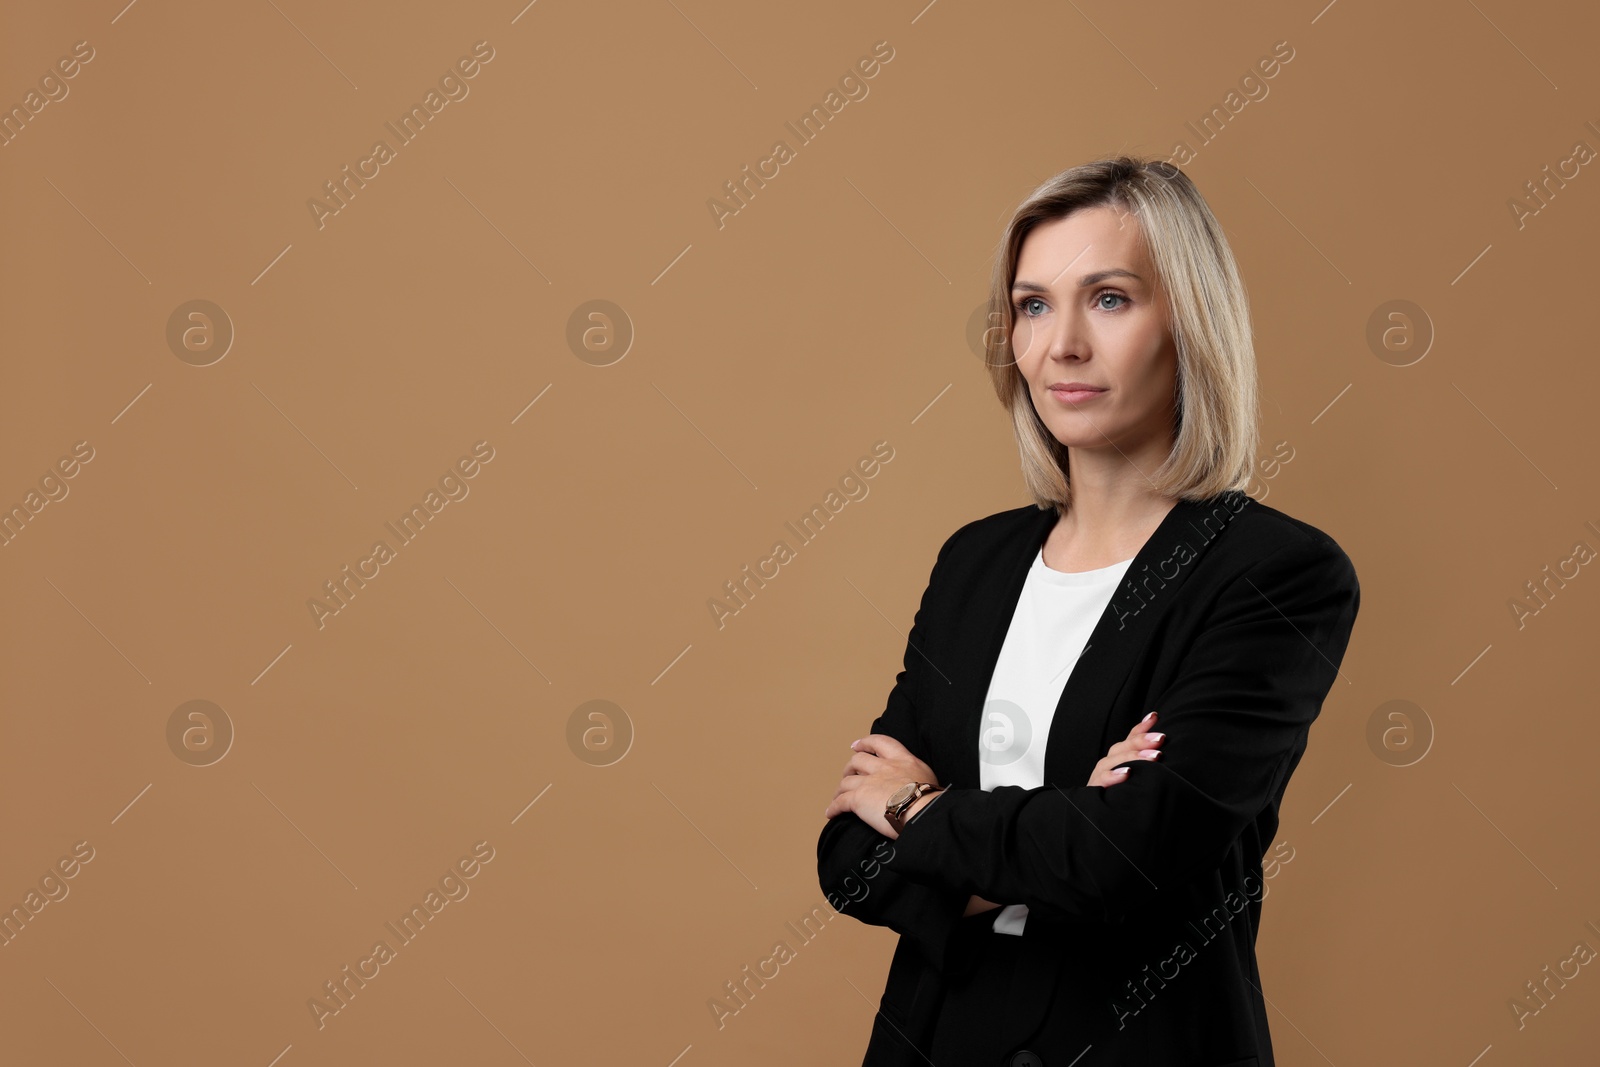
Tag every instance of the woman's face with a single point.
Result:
(1086, 309)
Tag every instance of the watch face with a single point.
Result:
(903, 794)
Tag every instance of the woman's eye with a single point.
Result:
(1023, 304)
(1113, 296)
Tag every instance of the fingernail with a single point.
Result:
(1147, 718)
(1155, 737)
(1119, 770)
(1150, 753)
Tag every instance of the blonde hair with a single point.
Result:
(1218, 411)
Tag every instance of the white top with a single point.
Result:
(1054, 618)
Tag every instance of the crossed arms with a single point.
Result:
(1241, 703)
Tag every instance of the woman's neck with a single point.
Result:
(1104, 525)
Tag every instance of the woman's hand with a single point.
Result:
(879, 767)
(1140, 744)
(881, 757)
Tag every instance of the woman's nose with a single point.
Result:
(1062, 338)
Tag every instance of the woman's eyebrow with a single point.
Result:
(1083, 282)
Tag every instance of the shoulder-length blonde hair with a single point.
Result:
(1217, 407)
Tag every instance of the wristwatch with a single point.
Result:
(903, 798)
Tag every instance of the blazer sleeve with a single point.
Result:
(855, 863)
(1242, 702)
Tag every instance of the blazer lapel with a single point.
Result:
(1150, 586)
(988, 621)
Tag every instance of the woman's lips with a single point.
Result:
(1076, 396)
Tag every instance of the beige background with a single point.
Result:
(434, 711)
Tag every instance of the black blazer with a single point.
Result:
(1143, 898)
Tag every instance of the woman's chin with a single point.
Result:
(1085, 439)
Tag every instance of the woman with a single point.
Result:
(1070, 885)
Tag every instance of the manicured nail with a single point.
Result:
(1155, 737)
(1150, 753)
(1119, 770)
(1147, 718)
